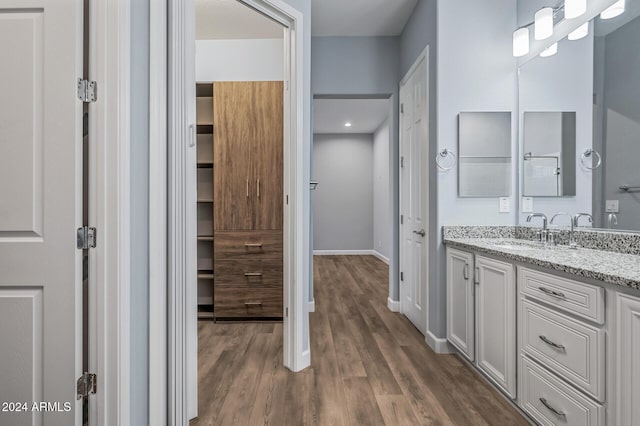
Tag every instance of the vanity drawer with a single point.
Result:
(248, 245)
(248, 303)
(550, 401)
(583, 300)
(572, 349)
(249, 273)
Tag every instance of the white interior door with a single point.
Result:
(40, 210)
(414, 194)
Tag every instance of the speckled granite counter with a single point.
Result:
(607, 266)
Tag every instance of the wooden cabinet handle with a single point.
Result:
(253, 274)
(253, 303)
(258, 188)
(253, 245)
(247, 187)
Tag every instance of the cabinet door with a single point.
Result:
(628, 360)
(460, 302)
(234, 137)
(267, 163)
(496, 322)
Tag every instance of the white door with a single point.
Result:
(414, 194)
(496, 322)
(460, 302)
(40, 210)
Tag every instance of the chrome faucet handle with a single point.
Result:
(576, 218)
(553, 218)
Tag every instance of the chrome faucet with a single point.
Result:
(572, 244)
(576, 218)
(544, 234)
(613, 220)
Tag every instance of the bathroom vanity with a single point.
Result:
(557, 330)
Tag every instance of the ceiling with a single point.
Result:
(229, 19)
(360, 17)
(365, 115)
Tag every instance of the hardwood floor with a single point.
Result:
(369, 366)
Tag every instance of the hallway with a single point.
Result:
(369, 366)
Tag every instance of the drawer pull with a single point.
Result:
(552, 293)
(552, 344)
(253, 274)
(252, 245)
(553, 410)
(465, 271)
(253, 303)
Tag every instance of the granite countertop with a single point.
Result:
(607, 266)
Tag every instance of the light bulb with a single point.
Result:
(581, 32)
(543, 23)
(520, 42)
(550, 51)
(347, 124)
(574, 8)
(614, 10)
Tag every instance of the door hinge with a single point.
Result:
(87, 90)
(401, 276)
(87, 385)
(401, 162)
(86, 238)
(401, 219)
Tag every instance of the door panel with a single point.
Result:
(460, 302)
(267, 169)
(40, 208)
(233, 142)
(414, 186)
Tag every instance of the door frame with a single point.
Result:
(423, 57)
(171, 26)
(109, 210)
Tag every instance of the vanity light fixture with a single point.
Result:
(520, 42)
(614, 10)
(550, 51)
(543, 23)
(581, 32)
(574, 8)
(347, 124)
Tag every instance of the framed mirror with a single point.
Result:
(598, 79)
(549, 144)
(484, 150)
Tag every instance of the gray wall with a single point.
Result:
(363, 66)
(622, 125)
(382, 242)
(343, 202)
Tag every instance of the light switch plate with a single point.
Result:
(505, 205)
(612, 206)
(527, 205)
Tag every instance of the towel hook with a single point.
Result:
(442, 155)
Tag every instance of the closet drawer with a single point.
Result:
(248, 245)
(584, 300)
(550, 401)
(249, 273)
(572, 349)
(248, 303)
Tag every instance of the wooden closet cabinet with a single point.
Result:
(248, 199)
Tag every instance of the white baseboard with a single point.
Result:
(380, 256)
(439, 345)
(312, 306)
(343, 253)
(393, 305)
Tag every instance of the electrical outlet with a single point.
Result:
(612, 206)
(527, 205)
(505, 205)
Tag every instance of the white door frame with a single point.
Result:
(109, 210)
(423, 57)
(176, 28)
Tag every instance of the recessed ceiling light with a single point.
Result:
(347, 124)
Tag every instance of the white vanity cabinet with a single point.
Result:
(460, 302)
(496, 322)
(628, 360)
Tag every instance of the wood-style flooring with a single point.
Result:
(369, 366)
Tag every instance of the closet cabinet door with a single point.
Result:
(267, 162)
(460, 302)
(234, 136)
(628, 360)
(496, 322)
